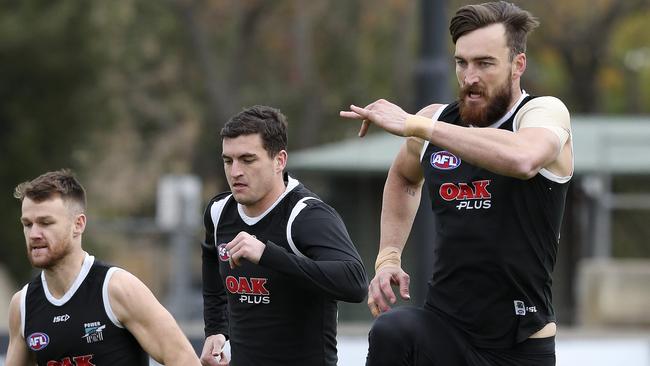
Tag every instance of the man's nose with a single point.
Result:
(235, 169)
(471, 76)
(35, 232)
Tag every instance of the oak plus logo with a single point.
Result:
(468, 196)
(250, 290)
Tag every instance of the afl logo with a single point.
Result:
(224, 256)
(38, 341)
(444, 160)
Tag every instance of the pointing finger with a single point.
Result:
(360, 111)
(349, 114)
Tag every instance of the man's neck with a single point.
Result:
(269, 199)
(62, 275)
(516, 94)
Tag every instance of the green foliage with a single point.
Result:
(45, 102)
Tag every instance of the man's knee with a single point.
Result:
(396, 325)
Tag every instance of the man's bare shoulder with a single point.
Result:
(14, 311)
(15, 301)
(429, 111)
(123, 283)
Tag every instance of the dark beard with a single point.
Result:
(497, 105)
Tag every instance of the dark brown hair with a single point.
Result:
(48, 185)
(517, 22)
(269, 122)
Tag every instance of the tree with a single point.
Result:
(46, 98)
(581, 33)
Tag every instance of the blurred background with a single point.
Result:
(132, 95)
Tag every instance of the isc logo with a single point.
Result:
(61, 318)
(445, 160)
(38, 341)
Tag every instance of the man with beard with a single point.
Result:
(79, 311)
(496, 164)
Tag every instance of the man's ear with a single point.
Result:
(518, 66)
(79, 225)
(281, 161)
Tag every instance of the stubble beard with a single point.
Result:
(52, 258)
(497, 105)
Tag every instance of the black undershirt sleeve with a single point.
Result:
(215, 310)
(331, 264)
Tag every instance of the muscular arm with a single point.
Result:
(330, 263)
(402, 190)
(150, 323)
(519, 154)
(536, 144)
(17, 352)
(401, 196)
(400, 203)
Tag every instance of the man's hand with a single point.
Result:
(212, 354)
(380, 292)
(383, 113)
(245, 246)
